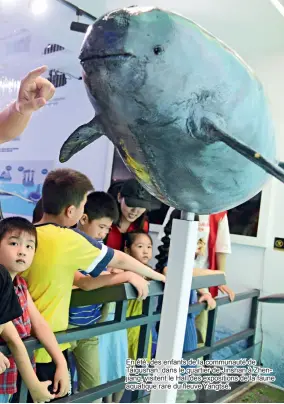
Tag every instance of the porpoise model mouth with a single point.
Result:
(108, 56)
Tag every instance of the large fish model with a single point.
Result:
(188, 116)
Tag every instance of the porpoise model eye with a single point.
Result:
(158, 49)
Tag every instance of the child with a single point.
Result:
(62, 251)
(18, 243)
(10, 309)
(103, 359)
(213, 245)
(9, 305)
(139, 245)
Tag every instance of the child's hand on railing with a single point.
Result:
(140, 284)
(61, 383)
(227, 291)
(207, 297)
(40, 393)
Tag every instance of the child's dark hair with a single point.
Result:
(101, 204)
(16, 223)
(62, 188)
(132, 235)
(162, 257)
(164, 248)
(38, 212)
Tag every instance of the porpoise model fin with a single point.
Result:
(213, 134)
(80, 138)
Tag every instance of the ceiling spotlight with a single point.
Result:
(279, 5)
(38, 6)
(79, 27)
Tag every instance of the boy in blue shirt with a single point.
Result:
(99, 213)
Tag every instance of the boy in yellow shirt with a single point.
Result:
(62, 251)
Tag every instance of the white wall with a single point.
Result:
(273, 281)
(253, 267)
(70, 107)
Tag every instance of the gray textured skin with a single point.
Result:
(272, 299)
(171, 93)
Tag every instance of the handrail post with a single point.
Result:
(253, 320)
(120, 311)
(176, 298)
(210, 336)
(144, 336)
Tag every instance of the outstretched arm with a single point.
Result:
(89, 283)
(39, 390)
(33, 94)
(42, 331)
(124, 261)
(198, 272)
(221, 265)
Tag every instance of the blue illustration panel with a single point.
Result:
(21, 185)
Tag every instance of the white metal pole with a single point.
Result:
(176, 298)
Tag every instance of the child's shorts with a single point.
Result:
(86, 352)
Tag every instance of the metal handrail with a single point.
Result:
(121, 294)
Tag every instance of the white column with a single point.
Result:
(176, 298)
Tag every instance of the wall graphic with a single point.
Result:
(21, 185)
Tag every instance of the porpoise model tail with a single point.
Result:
(214, 134)
(279, 298)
